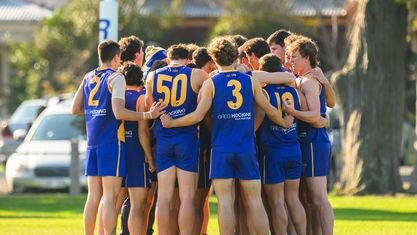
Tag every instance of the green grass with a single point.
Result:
(62, 215)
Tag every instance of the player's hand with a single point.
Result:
(318, 74)
(288, 107)
(157, 109)
(151, 164)
(166, 121)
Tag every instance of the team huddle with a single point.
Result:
(246, 118)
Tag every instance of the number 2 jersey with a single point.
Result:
(102, 125)
(173, 85)
(232, 112)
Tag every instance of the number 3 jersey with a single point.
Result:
(173, 85)
(232, 112)
(102, 125)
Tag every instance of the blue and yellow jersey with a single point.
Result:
(173, 86)
(102, 125)
(232, 112)
(271, 134)
(131, 127)
(308, 133)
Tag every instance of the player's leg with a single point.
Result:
(111, 188)
(187, 188)
(225, 193)
(166, 185)
(295, 208)
(275, 196)
(206, 214)
(200, 204)
(151, 206)
(138, 214)
(251, 190)
(174, 209)
(317, 191)
(92, 203)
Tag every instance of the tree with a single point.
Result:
(241, 18)
(370, 88)
(65, 47)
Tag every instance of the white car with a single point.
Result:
(42, 161)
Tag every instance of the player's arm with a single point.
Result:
(259, 116)
(118, 87)
(323, 122)
(145, 135)
(198, 77)
(149, 90)
(78, 101)
(285, 78)
(318, 74)
(198, 114)
(273, 113)
(311, 92)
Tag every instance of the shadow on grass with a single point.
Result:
(356, 214)
(373, 215)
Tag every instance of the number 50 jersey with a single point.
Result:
(173, 85)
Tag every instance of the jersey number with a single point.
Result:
(236, 93)
(171, 95)
(91, 100)
(286, 96)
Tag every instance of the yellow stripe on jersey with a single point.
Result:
(118, 158)
(121, 131)
(312, 159)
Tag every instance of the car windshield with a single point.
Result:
(27, 112)
(60, 127)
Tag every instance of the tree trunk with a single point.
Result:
(371, 93)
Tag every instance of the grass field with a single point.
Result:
(61, 214)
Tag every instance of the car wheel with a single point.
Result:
(18, 189)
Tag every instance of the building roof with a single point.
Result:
(215, 8)
(19, 10)
(324, 7)
(188, 8)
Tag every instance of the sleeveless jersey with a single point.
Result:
(308, 133)
(173, 86)
(131, 127)
(102, 125)
(271, 134)
(232, 112)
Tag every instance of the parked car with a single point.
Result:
(42, 161)
(334, 135)
(14, 130)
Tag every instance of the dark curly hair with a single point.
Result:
(223, 51)
(133, 74)
(129, 46)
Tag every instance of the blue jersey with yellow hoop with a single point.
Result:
(308, 133)
(102, 125)
(271, 134)
(173, 85)
(232, 112)
(131, 127)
